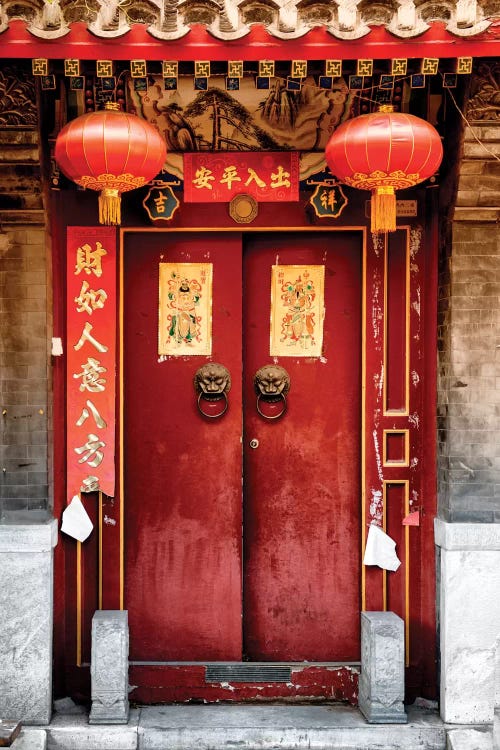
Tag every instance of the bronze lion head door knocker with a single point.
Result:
(271, 384)
(212, 383)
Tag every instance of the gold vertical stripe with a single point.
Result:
(407, 355)
(384, 527)
(384, 381)
(100, 550)
(78, 604)
(407, 576)
(363, 422)
(121, 432)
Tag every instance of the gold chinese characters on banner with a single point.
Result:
(297, 311)
(91, 358)
(185, 314)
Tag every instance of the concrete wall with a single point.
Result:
(469, 339)
(24, 309)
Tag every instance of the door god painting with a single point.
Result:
(297, 311)
(185, 314)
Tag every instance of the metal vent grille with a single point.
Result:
(247, 673)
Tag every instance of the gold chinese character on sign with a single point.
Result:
(328, 199)
(266, 68)
(203, 177)
(87, 336)
(399, 66)
(464, 65)
(229, 176)
(104, 68)
(254, 177)
(281, 178)
(333, 68)
(429, 66)
(91, 376)
(90, 484)
(72, 68)
(89, 260)
(169, 68)
(89, 300)
(138, 69)
(159, 202)
(364, 68)
(202, 68)
(40, 66)
(235, 68)
(90, 452)
(100, 422)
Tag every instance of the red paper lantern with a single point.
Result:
(112, 152)
(383, 152)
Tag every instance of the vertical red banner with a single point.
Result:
(91, 359)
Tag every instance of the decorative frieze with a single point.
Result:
(347, 19)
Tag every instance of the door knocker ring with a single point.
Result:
(275, 416)
(202, 397)
(271, 384)
(212, 383)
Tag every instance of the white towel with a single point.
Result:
(380, 549)
(75, 520)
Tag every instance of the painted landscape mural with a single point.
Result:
(247, 119)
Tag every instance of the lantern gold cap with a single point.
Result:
(112, 107)
(386, 108)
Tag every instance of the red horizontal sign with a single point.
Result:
(217, 178)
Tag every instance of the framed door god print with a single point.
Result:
(185, 309)
(297, 311)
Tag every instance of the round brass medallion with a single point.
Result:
(243, 208)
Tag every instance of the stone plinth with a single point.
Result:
(109, 667)
(469, 595)
(26, 620)
(30, 739)
(381, 684)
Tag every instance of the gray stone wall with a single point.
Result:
(469, 338)
(24, 312)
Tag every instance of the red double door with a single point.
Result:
(242, 534)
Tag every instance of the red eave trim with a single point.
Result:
(199, 44)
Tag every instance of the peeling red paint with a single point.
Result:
(187, 684)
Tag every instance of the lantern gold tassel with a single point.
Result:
(383, 210)
(109, 207)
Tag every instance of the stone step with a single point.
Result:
(248, 727)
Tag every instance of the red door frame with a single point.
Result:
(420, 261)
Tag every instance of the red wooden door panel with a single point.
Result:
(182, 471)
(302, 483)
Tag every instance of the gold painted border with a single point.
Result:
(398, 412)
(406, 459)
(121, 387)
(238, 230)
(78, 604)
(364, 306)
(406, 483)
(100, 550)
